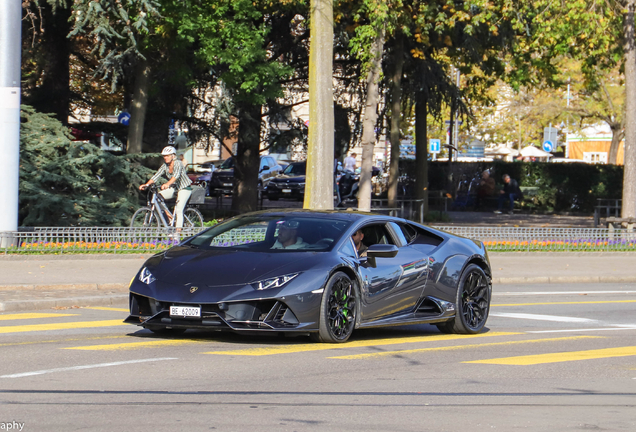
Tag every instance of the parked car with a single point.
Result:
(222, 180)
(289, 184)
(299, 272)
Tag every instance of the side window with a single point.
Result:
(272, 163)
(376, 234)
(263, 162)
(348, 249)
(409, 232)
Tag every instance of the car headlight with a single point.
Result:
(146, 277)
(275, 282)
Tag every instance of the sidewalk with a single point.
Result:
(42, 281)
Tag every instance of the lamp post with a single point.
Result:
(10, 46)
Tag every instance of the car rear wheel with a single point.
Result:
(473, 303)
(338, 310)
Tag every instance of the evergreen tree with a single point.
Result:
(72, 183)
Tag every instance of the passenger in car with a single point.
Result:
(357, 240)
(288, 236)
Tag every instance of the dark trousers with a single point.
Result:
(503, 197)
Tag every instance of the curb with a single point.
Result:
(59, 287)
(564, 279)
(21, 305)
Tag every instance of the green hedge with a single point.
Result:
(563, 187)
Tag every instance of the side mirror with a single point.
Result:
(382, 251)
(265, 168)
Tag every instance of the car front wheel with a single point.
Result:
(473, 303)
(338, 310)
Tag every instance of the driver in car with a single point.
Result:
(288, 236)
(357, 240)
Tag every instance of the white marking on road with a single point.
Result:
(543, 293)
(582, 330)
(73, 368)
(542, 317)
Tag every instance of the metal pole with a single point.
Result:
(456, 133)
(10, 46)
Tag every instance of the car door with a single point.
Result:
(390, 286)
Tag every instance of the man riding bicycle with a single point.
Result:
(178, 182)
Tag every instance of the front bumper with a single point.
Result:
(262, 315)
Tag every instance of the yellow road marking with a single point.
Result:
(561, 357)
(135, 345)
(107, 309)
(62, 340)
(61, 326)
(458, 347)
(11, 317)
(564, 303)
(287, 349)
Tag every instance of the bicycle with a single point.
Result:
(156, 214)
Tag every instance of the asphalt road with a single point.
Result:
(554, 358)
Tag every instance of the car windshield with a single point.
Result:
(273, 234)
(227, 163)
(296, 169)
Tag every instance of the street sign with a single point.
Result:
(459, 122)
(548, 146)
(435, 146)
(123, 118)
(550, 134)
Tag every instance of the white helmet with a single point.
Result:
(168, 151)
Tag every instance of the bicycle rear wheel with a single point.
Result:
(192, 218)
(144, 218)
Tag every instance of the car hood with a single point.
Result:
(283, 178)
(183, 264)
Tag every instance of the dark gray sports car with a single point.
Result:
(321, 273)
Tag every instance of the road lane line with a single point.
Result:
(584, 330)
(62, 340)
(562, 303)
(544, 293)
(288, 349)
(543, 317)
(458, 347)
(104, 308)
(61, 326)
(135, 345)
(21, 316)
(561, 357)
(74, 368)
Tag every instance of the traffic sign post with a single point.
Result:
(548, 146)
(434, 147)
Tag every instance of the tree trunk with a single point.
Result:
(618, 134)
(368, 124)
(320, 155)
(247, 163)
(421, 153)
(396, 105)
(138, 107)
(629, 178)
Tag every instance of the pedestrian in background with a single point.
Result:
(350, 163)
(510, 192)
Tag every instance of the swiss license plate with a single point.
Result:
(227, 184)
(185, 311)
(286, 190)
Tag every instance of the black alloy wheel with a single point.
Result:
(338, 310)
(473, 303)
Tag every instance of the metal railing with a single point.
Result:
(91, 239)
(532, 239)
(135, 240)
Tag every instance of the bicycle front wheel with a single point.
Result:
(144, 218)
(192, 218)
